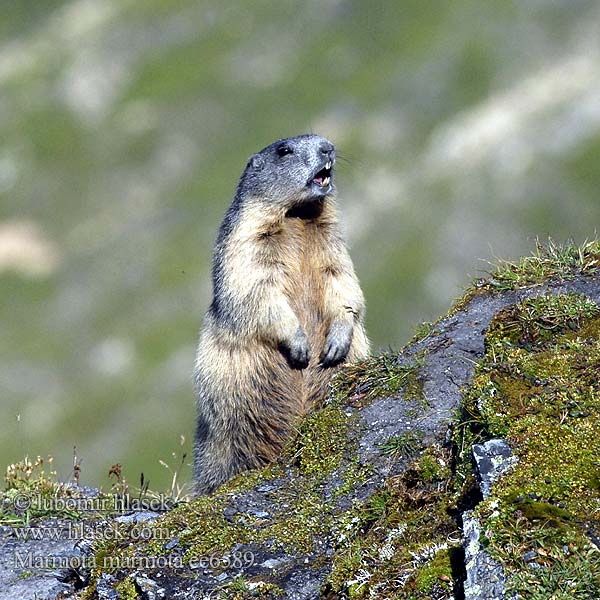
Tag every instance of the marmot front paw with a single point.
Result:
(297, 351)
(337, 344)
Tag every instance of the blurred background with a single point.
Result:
(467, 129)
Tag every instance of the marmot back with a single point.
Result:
(287, 309)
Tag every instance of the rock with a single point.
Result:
(170, 545)
(149, 589)
(492, 458)
(529, 556)
(304, 584)
(29, 567)
(260, 514)
(321, 507)
(105, 587)
(138, 517)
(485, 577)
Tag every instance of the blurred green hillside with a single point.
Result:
(466, 130)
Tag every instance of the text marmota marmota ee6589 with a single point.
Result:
(287, 308)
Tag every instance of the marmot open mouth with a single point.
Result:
(322, 178)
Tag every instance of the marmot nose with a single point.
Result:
(326, 148)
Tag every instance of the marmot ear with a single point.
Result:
(257, 162)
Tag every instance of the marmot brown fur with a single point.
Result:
(287, 308)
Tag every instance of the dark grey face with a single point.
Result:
(292, 171)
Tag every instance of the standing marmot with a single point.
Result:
(286, 308)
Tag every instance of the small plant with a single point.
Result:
(25, 574)
(550, 259)
(119, 485)
(33, 491)
(422, 331)
(177, 492)
(537, 320)
(406, 444)
(238, 589)
(376, 509)
(378, 376)
(76, 467)
(434, 465)
(26, 474)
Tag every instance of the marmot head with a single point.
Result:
(290, 172)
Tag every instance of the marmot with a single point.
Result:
(286, 309)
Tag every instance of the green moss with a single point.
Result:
(435, 576)
(537, 321)
(589, 331)
(127, 589)
(353, 475)
(433, 466)
(190, 520)
(25, 574)
(315, 452)
(321, 441)
(549, 514)
(538, 387)
(306, 516)
(402, 533)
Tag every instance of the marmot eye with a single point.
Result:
(284, 149)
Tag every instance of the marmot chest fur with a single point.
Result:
(287, 309)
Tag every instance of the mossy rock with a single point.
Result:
(366, 500)
(538, 386)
